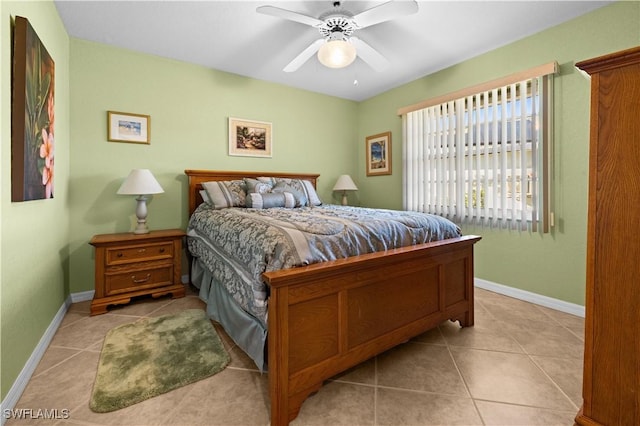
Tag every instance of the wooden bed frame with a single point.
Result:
(327, 317)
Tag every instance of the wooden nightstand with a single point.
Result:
(129, 265)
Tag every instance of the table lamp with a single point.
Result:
(344, 184)
(140, 182)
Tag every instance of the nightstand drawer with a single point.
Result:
(130, 265)
(130, 254)
(122, 282)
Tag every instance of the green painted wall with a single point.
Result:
(44, 244)
(189, 107)
(34, 239)
(552, 264)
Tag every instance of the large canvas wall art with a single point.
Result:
(32, 116)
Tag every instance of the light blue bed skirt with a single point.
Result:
(245, 330)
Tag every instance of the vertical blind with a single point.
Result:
(482, 157)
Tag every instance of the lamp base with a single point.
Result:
(141, 229)
(344, 198)
(141, 214)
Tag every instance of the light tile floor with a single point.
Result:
(521, 364)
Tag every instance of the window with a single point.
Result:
(480, 156)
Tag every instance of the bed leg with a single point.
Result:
(466, 320)
(287, 409)
(296, 401)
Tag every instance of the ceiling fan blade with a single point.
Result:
(290, 15)
(304, 55)
(385, 12)
(369, 55)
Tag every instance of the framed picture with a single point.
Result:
(127, 127)
(250, 138)
(379, 154)
(32, 116)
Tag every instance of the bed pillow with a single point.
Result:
(257, 186)
(226, 193)
(312, 195)
(268, 200)
(302, 190)
(268, 180)
(205, 196)
(298, 195)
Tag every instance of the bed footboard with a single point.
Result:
(327, 317)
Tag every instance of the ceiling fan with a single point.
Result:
(338, 48)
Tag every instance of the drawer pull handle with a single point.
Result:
(162, 250)
(141, 280)
(141, 250)
(119, 254)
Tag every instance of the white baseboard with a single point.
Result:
(12, 397)
(527, 296)
(83, 296)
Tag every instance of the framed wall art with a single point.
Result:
(379, 154)
(32, 116)
(250, 138)
(128, 127)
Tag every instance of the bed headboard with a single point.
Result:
(196, 177)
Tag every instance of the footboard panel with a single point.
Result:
(328, 317)
(382, 304)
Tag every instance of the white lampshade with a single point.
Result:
(140, 182)
(344, 184)
(336, 54)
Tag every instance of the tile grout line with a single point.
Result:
(79, 351)
(515, 404)
(540, 367)
(464, 381)
(576, 408)
(540, 308)
(530, 357)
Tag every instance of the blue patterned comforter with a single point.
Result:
(239, 244)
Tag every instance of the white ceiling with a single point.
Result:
(231, 36)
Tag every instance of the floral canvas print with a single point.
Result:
(33, 116)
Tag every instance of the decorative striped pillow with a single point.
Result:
(302, 190)
(268, 200)
(226, 193)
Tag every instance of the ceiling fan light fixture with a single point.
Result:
(337, 54)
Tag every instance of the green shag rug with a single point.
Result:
(155, 355)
